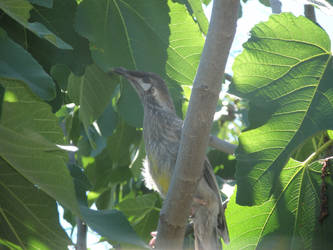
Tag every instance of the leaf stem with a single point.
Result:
(314, 155)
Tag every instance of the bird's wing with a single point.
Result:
(210, 178)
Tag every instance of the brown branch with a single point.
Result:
(81, 243)
(221, 145)
(309, 12)
(197, 125)
(276, 6)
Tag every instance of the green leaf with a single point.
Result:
(28, 143)
(111, 224)
(60, 20)
(17, 63)
(265, 2)
(147, 224)
(119, 144)
(22, 15)
(29, 217)
(199, 14)
(44, 3)
(286, 74)
(129, 106)
(138, 206)
(108, 223)
(60, 73)
(92, 92)
(107, 122)
(156, 36)
(185, 46)
(289, 219)
(137, 163)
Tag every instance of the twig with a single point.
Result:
(276, 6)
(309, 12)
(222, 145)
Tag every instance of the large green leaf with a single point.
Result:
(199, 14)
(60, 20)
(17, 63)
(185, 46)
(19, 10)
(28, 143)
(289, 219)
(152, 35)
(92, 92)
(286, 73)
(28, 217)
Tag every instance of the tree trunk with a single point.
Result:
(197, 125)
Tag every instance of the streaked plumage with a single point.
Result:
(162, 132)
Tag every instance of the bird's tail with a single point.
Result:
(206, 231)
(222, 227)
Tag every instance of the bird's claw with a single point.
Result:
(153, 240)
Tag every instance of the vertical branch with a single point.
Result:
(81, 243)
(197, 125)
(276, 6)
(309, 12)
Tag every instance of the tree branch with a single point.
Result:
(276, 6)
(309, 12)
(81, 242)
(197, 125)
(221, 145)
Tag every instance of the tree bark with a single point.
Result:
(81, 242)
(197, 125)
(276, 6)
(309, 12)
(222, 145)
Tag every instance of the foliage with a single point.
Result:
(56, 89)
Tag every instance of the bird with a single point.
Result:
(162, 132)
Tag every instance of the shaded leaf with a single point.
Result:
(111, 224)
(44, 3)
(22, 15)
(138, 206)
(17, 63)
(92, 92)
(287, 76)
(108, 120)
(60, 73)
(129, 106)
(265, 2)
(28, 143)
(147, 224)
(28, 217)
(60, 20)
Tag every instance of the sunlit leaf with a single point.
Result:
(289, 219)
(286, 74)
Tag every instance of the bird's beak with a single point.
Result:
(134, 77)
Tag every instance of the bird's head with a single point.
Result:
(150, 87)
